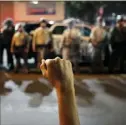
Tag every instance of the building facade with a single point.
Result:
(31, 12)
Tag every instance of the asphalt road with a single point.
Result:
(101, 100)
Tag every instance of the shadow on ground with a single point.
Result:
(115, 85)
(40, 87)
(83, 93)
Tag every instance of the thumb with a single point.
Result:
(43, 68)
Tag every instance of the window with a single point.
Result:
(85, 31)
(59, 30)
(31, 26)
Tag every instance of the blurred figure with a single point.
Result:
(98, 40)
(49, 52)
(70, 45)
(41, 37)
(20, 47)
(118, 44)
(107, 49)
(7, 34)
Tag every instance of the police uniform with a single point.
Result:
(118, 44)
(20, 43)
(98, 41)
(71, 46)
(40, 38)
(6, 37)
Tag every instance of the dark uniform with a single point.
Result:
(118, 44)
(7, 35)
(1, 40)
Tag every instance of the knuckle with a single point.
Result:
(57, 59)
(49, 62)
(63, 60)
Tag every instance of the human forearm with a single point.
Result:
(67, 106)
(60, 74)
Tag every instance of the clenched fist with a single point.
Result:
(58, 71)
(60, 74)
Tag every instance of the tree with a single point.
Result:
(85, 10)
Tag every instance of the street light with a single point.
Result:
(35, 2)
(51, 22)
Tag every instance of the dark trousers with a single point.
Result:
(97, 65)
(40, 53)
(19, 53)
(118, 54)
(97, 62)
(9, 54)
(107, 55)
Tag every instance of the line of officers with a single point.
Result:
(18, 43)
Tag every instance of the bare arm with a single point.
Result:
(60, 74)
(68, 114)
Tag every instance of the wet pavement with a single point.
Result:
(101, 100)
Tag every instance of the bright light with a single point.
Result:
(51, 22)
(35, 2)
(118, 17)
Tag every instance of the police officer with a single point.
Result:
(20, 47)
(7, 34)
(41, 37)
(118, 44)
(70, 45)
(98, 40)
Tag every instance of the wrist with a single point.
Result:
(66, 98)
(65, 89)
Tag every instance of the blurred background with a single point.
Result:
(91, 34)
(58, 16)
(84, 10)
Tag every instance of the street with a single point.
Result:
(91, 35)
(35, 103)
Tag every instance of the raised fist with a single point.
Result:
(58, 71)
